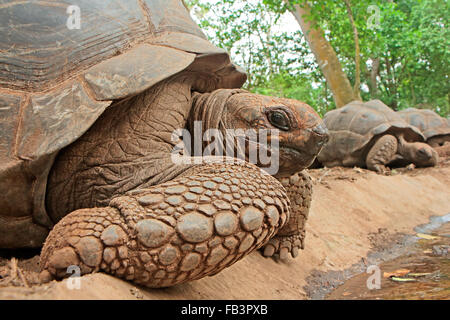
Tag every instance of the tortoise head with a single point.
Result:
(295, 132)
(419, 153)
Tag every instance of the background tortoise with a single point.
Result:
(86, 121)
(371, 134)
(435, 128)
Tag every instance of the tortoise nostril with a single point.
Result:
(322, 132)
(320, 129)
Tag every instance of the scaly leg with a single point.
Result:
(185, 229)
(292, 236)
(381, 153)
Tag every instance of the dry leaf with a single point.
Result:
(396, 273)
(397, 279)
(419, 274)
(427, 236)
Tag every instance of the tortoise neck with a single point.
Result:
(211, 109)
(128, 147)
(405, 148)
(208, 110)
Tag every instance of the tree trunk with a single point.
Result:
(325, 56)
(391, 83)
(357, 86)
(373, 78)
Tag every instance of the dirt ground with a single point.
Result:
(356, 217)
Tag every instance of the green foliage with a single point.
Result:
(410, 38)
(278, 62)
(424, 53)
(300, 88)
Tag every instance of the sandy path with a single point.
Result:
(349, 207)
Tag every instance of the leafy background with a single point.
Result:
(409, 39)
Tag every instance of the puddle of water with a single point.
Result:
(422, 273)
(435, 223)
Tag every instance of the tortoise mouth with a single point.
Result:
(288, 154)
(287, 160)
(293, 159)
(298, 156)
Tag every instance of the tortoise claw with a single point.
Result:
(284, 253)
(294, 252)
(269, 250)
(283, 246)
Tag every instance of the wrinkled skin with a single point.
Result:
(159, 223)
(301, 135)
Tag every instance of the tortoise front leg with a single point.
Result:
(291, 237)
(188, 228)
(381, 153)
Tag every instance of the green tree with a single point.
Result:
(402, 47)
(278, 62)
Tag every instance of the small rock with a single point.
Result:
(137, 293)
(441, 250)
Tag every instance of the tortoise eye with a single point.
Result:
(279, 120)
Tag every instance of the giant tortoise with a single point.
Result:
(370, 134)
(87, 126)
(435, 128)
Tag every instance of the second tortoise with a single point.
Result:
(435, 128)
(370, 134)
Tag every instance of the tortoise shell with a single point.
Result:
(429, 122)
(353, 128)
(56, 81)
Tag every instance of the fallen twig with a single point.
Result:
(323, 175)
(23, 278)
